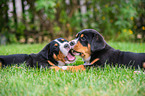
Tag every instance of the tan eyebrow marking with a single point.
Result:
(55, 44)
(77, 35)
(62, 39)
(82, 35)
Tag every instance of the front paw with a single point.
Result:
(56, 68)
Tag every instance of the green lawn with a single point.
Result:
(94, 82)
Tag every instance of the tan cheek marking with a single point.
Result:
(85, 50)
(62, 39)
(78, 47)
(54, 56)
(143, 64)
(82, 35)
(89, 49)
(59, 57)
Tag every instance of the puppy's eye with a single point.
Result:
(83, 38)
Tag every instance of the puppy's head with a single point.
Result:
(87, 42)
(58, 52)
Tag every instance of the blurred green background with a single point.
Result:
(36, 21)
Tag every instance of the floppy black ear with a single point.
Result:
(98, 43)
(44, 52)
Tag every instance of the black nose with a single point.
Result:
(72, 43)
(66, 46)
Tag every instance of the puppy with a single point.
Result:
(56, 53)
(94, 50)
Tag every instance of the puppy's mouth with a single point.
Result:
(74, 52)
(70, 57)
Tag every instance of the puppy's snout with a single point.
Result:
(66, 46)
(72, 43)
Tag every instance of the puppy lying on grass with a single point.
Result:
(55, 53)
(91, 46)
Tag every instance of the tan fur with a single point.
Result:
(76, 68)
(85, 50)
(0, 64)
(56, 68)
(82, 35)
(51, 63)
(143, 65)
(77, 35)
(59, 57)
(56, 44)
(62, 39)
(94, 61)
(70, 68)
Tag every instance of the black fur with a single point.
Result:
(33, 60)
(106, 54)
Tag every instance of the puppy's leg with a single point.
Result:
(56, 68)
(95, 60)
(76, 68)
(69, 68)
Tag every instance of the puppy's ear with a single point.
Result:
(98, 43)
(44, 52)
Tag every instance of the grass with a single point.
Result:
(94, 82)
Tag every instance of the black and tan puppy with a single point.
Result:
(56, 53)
(92, 47)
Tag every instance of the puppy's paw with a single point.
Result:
(76, 68)
(56, 68)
